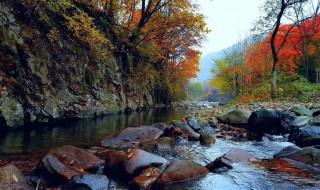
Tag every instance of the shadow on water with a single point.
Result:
(82, 133)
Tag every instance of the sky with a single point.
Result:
(229, 20)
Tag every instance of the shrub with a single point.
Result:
(85, 31)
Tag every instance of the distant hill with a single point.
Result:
(206, 65)
(207, 61)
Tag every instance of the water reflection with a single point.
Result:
(81, 133)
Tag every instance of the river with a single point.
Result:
(84, 133)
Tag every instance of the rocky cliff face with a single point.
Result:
(42, 80)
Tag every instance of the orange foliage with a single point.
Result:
(258, 57)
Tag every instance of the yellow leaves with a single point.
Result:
(58, 6)
(83, 28)
(14, 177)
(53, 35)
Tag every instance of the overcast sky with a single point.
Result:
(229, 20)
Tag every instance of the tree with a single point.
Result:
(275, 10)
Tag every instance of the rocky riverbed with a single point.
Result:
(257, 146)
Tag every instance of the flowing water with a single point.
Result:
(262, 175)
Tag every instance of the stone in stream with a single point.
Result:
(88, 181)
(301, 121)
(274, 122)
(180, 170)
(315, 121)
(145, 180)
(236, 117)
(307, 158)
(231, 157)
(316, 113)
(12, 179)
(286, 151)
(193, 123)
(63, 163)
(163, 126)
(301, 111)
(207, 136)
(306, 136)
(133, 137)
(131, 162)
(181, 128)
(165, 143)
(213, 122)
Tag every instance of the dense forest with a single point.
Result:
(78, 58)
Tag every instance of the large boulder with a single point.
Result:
(274, 122)
(65, 162)
(132, 162)
(181, 128)
(12, 179)
(307, 158)
(11, 112)
(231, 157)
(301, 111)
(133, 137)
(235, 117)
(181, 170)
(145, 180)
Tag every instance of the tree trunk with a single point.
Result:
(274, 83)
(275, 51)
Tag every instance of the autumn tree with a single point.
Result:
(275, 10)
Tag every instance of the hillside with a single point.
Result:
(74, 59)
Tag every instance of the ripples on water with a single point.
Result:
(86, 133)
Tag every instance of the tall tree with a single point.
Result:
(275, 10)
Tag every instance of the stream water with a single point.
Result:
(264, 175)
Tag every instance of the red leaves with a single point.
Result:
(301, 39)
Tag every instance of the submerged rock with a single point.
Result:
(12, 179)
(181, 170)
(231, 157)
(145, 180)
(132, 162)
(274, 122)
(132, 137)
(235, 117)
(66, 162)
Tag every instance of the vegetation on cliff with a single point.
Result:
(78, 58)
